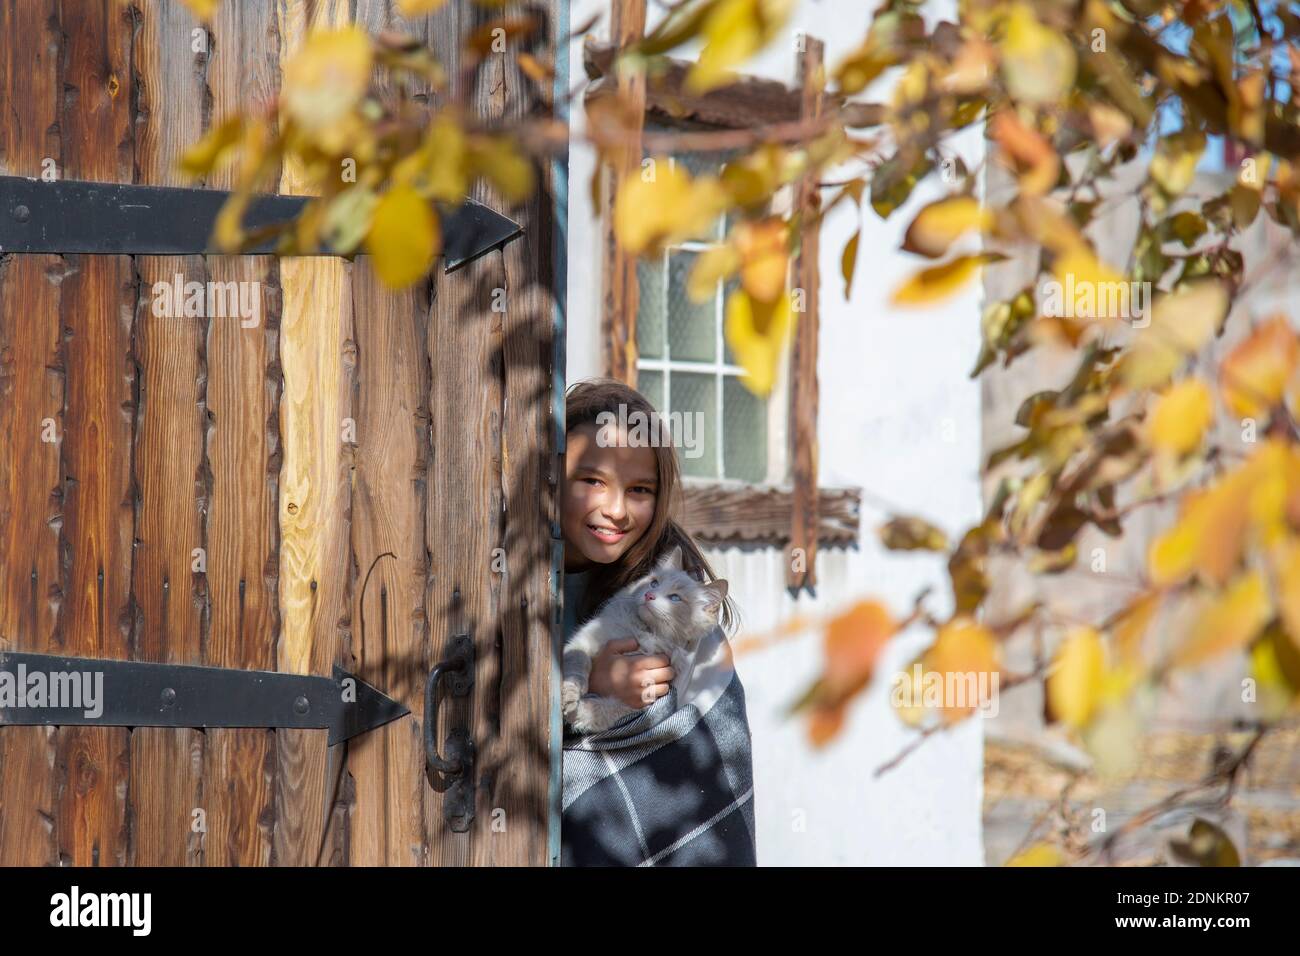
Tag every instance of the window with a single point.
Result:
(684, 364)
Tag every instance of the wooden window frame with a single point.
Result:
(798, 513)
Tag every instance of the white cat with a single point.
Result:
(667, 611)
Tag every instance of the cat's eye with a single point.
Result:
(654, 582)
(677, 598)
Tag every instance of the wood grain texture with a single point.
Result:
(169, 587)
(31, 411)
(317, 356)
(491, 485)
(803, 349)
(388, 551)
(620, 296)
(97, 303)
(243, 430)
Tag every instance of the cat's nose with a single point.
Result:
(649, 595)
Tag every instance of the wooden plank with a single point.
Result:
(316, 355)
(620, 294)
(97, 302)
(171, 472)
(723, 513)
(243, 399)
(512, 717)
(388, 550)
(31, 411)
(389, 649)
(464, 480)
(801, 555)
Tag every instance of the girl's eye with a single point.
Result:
(594, 481)
(675, 598)
(643, 488)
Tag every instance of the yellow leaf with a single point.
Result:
(712, 266)
(1181, 323)
(509, 171)
(1178, 421)
(1286, 564)
(1256, 371)
(940, 224)
(1174, 164)
(201, 158)
(1041, 854)
(938, 282)
(757, 333)
(1038, 63)
(1229, 622)
(664, 206)
(439, 169)
(416, 8)
(404, 237)
(325, 81)
(1205, 845)
(1074, 682)
(962, 651)
(849, 262)
(733, 31)
(1132, 625)
(202, 9)
(765, 258)
(912, 534)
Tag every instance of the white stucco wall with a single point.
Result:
(900, 419)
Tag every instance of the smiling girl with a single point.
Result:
(615, 506)
(616, 499)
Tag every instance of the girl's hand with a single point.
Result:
(638, 680)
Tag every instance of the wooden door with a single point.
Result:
(356, 479)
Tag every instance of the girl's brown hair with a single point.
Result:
(585, 401)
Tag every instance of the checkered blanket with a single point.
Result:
(671, 785)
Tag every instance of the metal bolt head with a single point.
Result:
(168, 696)
(22, 213)
(300, 706)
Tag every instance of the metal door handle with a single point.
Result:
(457, 670)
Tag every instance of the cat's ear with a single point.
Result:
(715, 593)
(672, 558)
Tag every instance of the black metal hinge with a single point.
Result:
(69, 216)
(43, 690)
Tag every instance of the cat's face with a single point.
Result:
(668, 599)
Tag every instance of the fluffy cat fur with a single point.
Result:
(672, 622)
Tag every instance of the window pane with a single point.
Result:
(692, 326)
(650, 310)
(695, 395)
(651, 385)
(744, 432)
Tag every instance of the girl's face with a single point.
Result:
(608, 499)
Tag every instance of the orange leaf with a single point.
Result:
(853, 643)
(1256, 372)
(1229, 622)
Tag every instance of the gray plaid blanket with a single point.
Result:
(671, 785)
